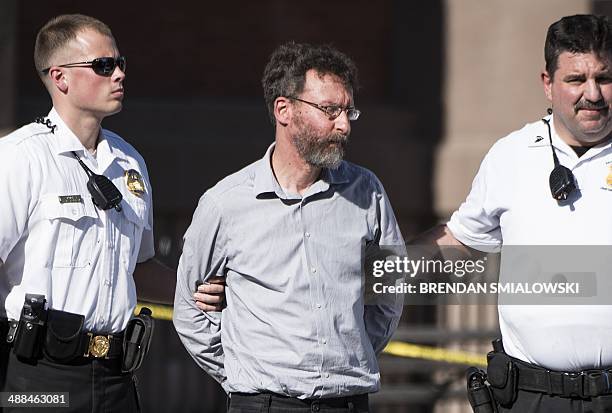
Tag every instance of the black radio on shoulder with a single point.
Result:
(104, 193)
(561, 183)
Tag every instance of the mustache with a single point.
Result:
(585, 104)
(338, 138)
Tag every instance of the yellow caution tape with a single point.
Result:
(161, 312)
(395, 348)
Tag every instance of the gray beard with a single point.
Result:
(320, 152)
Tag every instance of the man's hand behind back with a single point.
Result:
(210, 296)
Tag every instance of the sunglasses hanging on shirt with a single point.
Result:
(104, 193)
(562, 182)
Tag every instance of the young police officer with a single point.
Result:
(76, 227)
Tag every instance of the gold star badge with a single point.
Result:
(134, 182)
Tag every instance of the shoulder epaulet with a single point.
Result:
(40, 126)
(26, 132)
(36, 129)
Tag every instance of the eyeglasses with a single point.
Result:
(103, 66)
(332, 111)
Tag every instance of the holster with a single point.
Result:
(503, 378)
(64, 335)
(137, 340)
(479, 392)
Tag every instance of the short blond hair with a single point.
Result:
(59, 31)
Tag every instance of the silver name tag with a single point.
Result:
(70, 199)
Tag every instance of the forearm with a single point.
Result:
(155, 282)
(199, 332)
(439, 235)
(437, 242)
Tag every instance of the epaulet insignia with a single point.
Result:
(47, 122)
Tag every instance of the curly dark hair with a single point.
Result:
(581, 33)
(285, 72)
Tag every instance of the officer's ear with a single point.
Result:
(547, 81)
(282, 110)
(58, 79)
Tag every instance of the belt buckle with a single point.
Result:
(98, 346)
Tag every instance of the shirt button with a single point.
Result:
(307, 234)
(327, 375)
(107, 282)
(314, 270)
(324, 341)
(74, 211)
(101, 320)
(318, 305)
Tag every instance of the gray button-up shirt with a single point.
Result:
(296, 322)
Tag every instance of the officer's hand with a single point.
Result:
(210, 296)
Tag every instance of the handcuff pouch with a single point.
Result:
(64, 334)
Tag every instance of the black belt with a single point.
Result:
(583, 384)
(92, 345)
(273, 399)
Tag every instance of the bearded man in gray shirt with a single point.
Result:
(288, 234)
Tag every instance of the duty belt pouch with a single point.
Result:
(63, 338)
(502, 376)
(27, 335)
(136, 340)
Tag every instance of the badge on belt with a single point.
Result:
(134, 182)
(609, 179)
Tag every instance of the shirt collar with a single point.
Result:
(265, 181)
(66, 142)
(560, 144)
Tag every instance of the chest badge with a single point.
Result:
(609, 178)
(134, 182)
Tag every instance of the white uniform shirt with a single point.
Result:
(55, 241)
(510, 204)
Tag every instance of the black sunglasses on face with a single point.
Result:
(103, 66)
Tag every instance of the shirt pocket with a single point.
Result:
(75, 230)
(135, 221)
